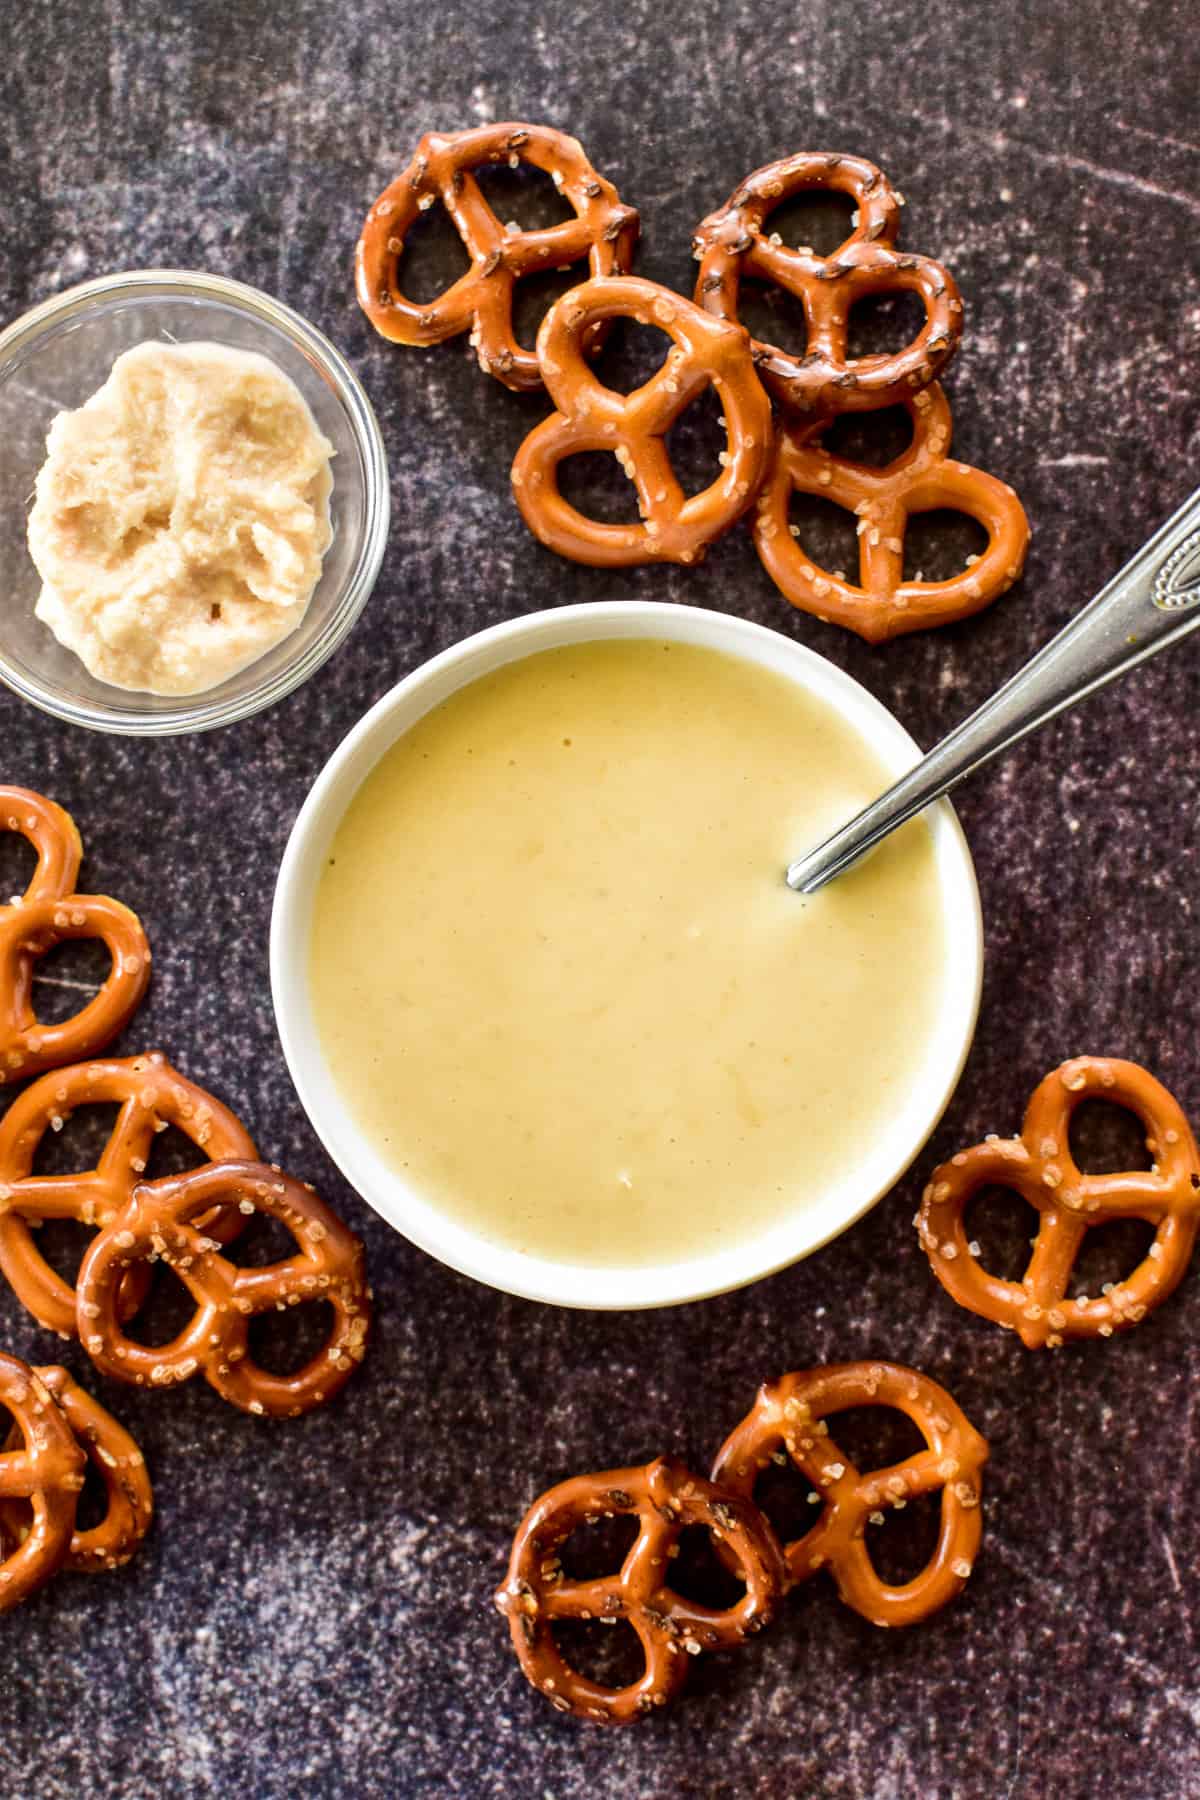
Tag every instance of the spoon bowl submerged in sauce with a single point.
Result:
(544, 995)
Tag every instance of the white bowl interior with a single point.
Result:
(409, 1210)
(54, 359)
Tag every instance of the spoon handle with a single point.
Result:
(1152, 602)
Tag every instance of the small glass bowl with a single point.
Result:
(53, 359)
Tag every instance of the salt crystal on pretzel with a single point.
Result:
(163, 1220)
(1040, 1167)
(665, 1498)
(923, 478)
(732, 244)
(603, 233)
(49, 913)
(789, 1416)
(706, 352)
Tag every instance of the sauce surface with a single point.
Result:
(559, 978)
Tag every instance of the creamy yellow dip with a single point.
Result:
(562, 984)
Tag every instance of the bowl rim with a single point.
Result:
(208, 711)
(400, 1203)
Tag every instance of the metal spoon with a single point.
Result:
(1153, 602)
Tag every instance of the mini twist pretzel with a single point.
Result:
(1040, 1168)
(122, 1471)
(590, 416)
(162, 1219)
(923, 478)
(54, 836)
(789, 1415)
(665, 1497)
(731, 244)
(50, 913)
(604, 232)
(151, 1095)
(45, 1470)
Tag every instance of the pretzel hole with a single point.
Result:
(598, 1548)
(1110, 1253)
(434, 257)
(167, 1311)
(699, 1575)
(93, 1500)
(826, 532)
(875, 1437)
(593, 482)
(172, 1152)
(534, 295)
(264, 1241)
(285, 1342)
(525, 196)
(904, 1544)
(820, 218)
(696, 443)
(790, 1502)
(1107, 1139)
(610, 1655)
(1002, 1224)
(63, 1244)
(18, 860)
(938, 543)
(67, 977)
(79, 1144)
(774, 316)
(632, 354)
(883, 324)
(875, 439)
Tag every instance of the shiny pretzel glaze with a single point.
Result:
(50, 913)
(590, 416)
(665, 1497)
(151, 1095)
(604, 232)
(121, 1468)
(732, 245)
(789, 1416)
(162, 1220)
(1040, 1168)
(923, 478)
(45, 1471)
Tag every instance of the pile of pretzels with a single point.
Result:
(185, 1221)
(776, 406)
(788, 1421)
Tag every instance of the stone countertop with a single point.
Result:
(311, 1613)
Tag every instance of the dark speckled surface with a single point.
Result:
(311, 1614)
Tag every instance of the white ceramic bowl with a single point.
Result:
(411, 1211)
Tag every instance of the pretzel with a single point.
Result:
(162, 1219)
(789, 1415)
(49, 913)
(633, 427)
(923, 478)
(152, 1095)
(122, 1471)
(604, 231)
(1040, 1168)
(730, 245)
(45, 1470)
(54, 836)
(665, 1498)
